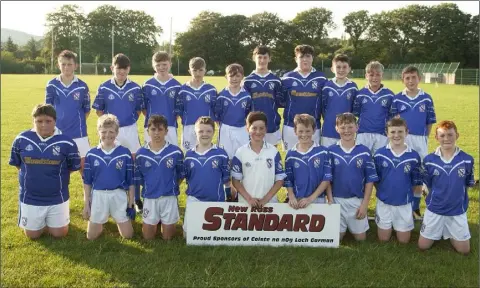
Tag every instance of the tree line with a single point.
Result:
(412, 34)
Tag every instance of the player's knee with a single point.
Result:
(360, 237)
(423, 246)
(403, 240)
(127, 234)
(58, 232)
(464, 250)
(33, 235)
(384, 238)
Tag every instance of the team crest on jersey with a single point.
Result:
(145, 212)
(215, 164)
(403, 107)
(316, 162)
(29, 147)
(56, 150)
(76, 96)
(336, 162)
(172, 94)
(436, 172)
(130, 97)
(188, 98)
(384, 102)
(236, 168)
(170, 162)
(364, 101)
(407, 168)
(330, 94)
(359, 163)
(279, 166)
(421, 108)
(186, 144)
(24, 221)
(244, 104)
(385, 164)
(254, 85)
(225, 103)
(461, 172)
(314, 84)
(192, 165)
(248, 165)
(294, 84)
(147, 164)
(96, 163)
(269, 163)
(271, 86)
(154, 92)
(207, 98)
(296, 165)
(111, 97)
(119, 164)
(349, 95)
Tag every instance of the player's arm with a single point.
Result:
(469, 173)
(371, 177)
(87, 188)
(416, 174)
(219, 109)
(180, 168)
(139, 102)
(86, 102)
(279, 176)
(50, 94)
(15, 158)
(99, 102)
(73, 158)
(431, 116)
(357, 106)
(324, 97)
(237, 177)
(290, 182)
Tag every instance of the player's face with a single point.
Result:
(234, 80)
(374, 79)
(304, 62)
(44, 125)
(261, 61)
(447, 138)
(162, 67)
(67, 66)
(120, 74)
(257, 130)
(397, 135)
(107, 135)
(198, 74)
(157, 133)
(204, 134)
(347, 131)
(411, 80)
(304, 133)
(341, 69)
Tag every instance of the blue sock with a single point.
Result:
(416, 203)
(137, 192)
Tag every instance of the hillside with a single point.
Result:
(20, 38)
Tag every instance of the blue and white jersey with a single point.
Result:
(108, 170)
(266, 92)
(45, 166)
(418, 111)
(124, 102)
(336, 100)
(397, 174)
(71, 103)
(302, 95)
(159, 172)
(448, 182)
(161, 98)
(305, 171)
(206, 173)
(372, 109)
(232, 110)
(196, 102)
(351, 170)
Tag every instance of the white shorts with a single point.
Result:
(373, 141)
(109, 202)
(164, 209)
(418, 143)
(231, 138)
(35, 218)
(83, 146)
(190, 199)
(128, 137)
(274, 138)
(327, 141)
(348, 219)
(189, 138)
(400, 217)
(290, 139)
(171, 136)
(435, 226)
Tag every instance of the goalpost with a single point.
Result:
(96, 68)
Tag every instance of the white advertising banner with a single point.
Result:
(237, 224)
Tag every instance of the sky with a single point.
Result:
(182, 13)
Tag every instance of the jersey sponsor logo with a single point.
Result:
(271, 86)
(130, 97)
(188, 98)
(111, 97)
(296, 165)
(269, 163)
(294, 84)
(148, 164)
(41, 161)
(76, 96)
(407, 168)
(29, 147)
(316, 162)
(359, 163)
(215, 164)
(171, 94)
(436, 172)
(56, 150)
(253, 85)
(169, 162)
(207, 98)
(248, 165)
(119, 164)
(385, 164)
(96, 163)
(154, 92)
(421, 108)
(24, 221)
(461, 172)
(384, 102)
(314, 84)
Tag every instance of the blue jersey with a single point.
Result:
(266, 92)
(161, 98)
(108, 170)
(71, 103)
(336, 100)
(418, 111)
(124, 102)
(351, 170)
(305, 171)
(159, 172)
(447, 182)
(45, 166)
(397, 174)
(231, 109)
(302, 95)
(196, 102)
(372, 109)
(206, 173)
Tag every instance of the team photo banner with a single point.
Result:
(236, 224)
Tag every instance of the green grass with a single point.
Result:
(113, 262)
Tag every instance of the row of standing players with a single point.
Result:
(302, 89)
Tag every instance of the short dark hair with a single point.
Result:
(261, 50)
(44, 109)
(157, 121)
(304, 119)
(345, 118)
(121, 60)
(304, 49)
(256, 116)
(67, 54)
(205, 120)
(233, 69)
(341, 58)
(410, 69)
(161, 56)
(396, 122)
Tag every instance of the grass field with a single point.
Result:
(113, 262)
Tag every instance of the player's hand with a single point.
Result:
(86, 212)
(361, 212)
(262, 202)
(293, 202)
(131, 213)
(253, 202)
(304, 202)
